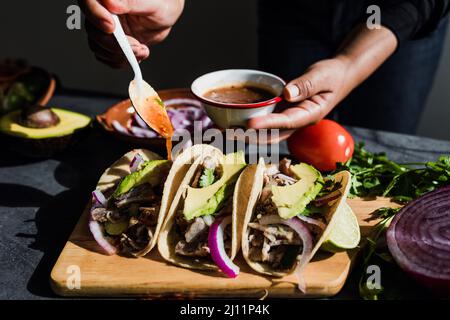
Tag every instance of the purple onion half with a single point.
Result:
(419, 240)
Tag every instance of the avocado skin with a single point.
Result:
(43, 148)
(146, 174)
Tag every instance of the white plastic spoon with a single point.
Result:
(145, 100)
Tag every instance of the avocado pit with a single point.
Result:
(38, 117)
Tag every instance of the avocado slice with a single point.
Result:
(292, 200)
(205, 201)
(115, 229)
(150, 172)
(69, 122)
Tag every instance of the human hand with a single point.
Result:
(145, 23)
(312, 96)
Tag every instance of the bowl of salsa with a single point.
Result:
(232, 97)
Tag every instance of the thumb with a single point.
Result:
(305, 86)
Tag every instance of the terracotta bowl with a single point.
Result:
(121, 113)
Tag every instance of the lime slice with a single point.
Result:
(345, 233)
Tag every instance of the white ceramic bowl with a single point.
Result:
(226, 115)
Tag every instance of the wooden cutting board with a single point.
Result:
(152, 277)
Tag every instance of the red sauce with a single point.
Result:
(239, 94)
(155, 115)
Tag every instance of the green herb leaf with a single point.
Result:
(207, 178)
(373, 174)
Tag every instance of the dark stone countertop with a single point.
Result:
(41, 201)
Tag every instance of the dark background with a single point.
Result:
(210, 35)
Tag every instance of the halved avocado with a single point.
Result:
(43, 142)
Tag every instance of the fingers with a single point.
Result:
(98, 15)
(164, 12)
(307, 112)
(138, 7)
(107, 50)
(307, 85)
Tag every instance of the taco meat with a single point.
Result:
(193, 234)
(277, 245)
(129, 220)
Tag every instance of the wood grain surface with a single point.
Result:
(152, 277)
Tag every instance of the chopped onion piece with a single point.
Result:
(136, 162)
(98, 233)
(99, 198)
(312, 221)
(209, 219)
(141, 123)
(143, 133)
(217, 247)
(119, 128)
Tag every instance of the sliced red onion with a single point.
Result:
(209, 219)
(419, 239)
(307, 241)
(312, 221)
(182, 101)
(217, 247)
(206, 121)
(136, 162)
(119, 128)
(285, 177)
(141, 123)
(142, 133)
(99, 198)
(98, 233)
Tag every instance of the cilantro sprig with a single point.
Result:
(207, 178)
(374, 174)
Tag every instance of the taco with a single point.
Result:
(202, 229)
(290, 212)
(131, 200)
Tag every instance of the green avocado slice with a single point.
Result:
(208, 200)
(150, 172)
(292, 200)
(69, 122)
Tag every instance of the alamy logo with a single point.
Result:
(373, 281)
(73, 280)
(374, 20)
(73, 21)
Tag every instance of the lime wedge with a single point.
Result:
(345, 233)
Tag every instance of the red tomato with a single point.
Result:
(322, 145)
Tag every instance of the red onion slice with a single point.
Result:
(181, 101)
(99, 198)
(141, 123)
(419, 239)
(142, 133)
(98, 233)
(304, 233)
(136, 162)
(119, 128)
(312, 221)
(217, 248)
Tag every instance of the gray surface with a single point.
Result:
(210, 35)
(41, 201)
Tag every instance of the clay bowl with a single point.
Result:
(122, 112)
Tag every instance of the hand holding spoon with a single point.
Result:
(145, 100)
